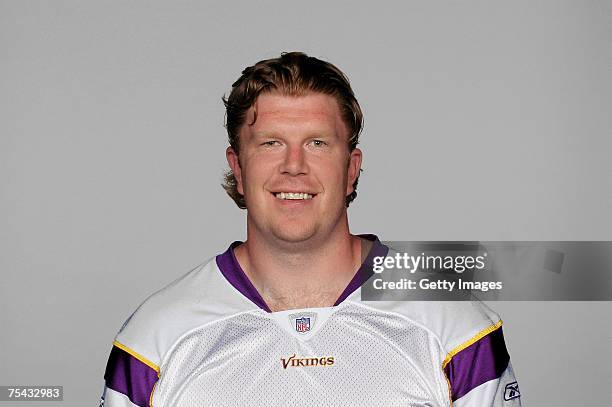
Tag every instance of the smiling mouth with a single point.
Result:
(294, 196)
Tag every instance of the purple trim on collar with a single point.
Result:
(235, 275)
(233, 272)
(366, 270)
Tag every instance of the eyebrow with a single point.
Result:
(321, 133)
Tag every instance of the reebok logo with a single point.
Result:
(512, 391)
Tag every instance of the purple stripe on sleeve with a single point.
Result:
(484, 360)
(128, 375)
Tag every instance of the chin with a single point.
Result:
(293, 235)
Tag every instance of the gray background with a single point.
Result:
(484, 121)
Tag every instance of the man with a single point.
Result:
(277, 320)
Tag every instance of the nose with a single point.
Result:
(294, 162)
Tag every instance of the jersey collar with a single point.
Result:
(235, 275)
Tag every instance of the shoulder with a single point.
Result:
(453, 323)
(199, 297)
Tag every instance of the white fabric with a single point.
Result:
(492, 393)
(112, 398)
(215, 347)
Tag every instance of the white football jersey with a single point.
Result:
(209, 339)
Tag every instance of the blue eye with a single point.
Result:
(318, 143)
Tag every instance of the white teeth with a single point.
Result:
(293, 195)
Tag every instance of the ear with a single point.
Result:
(353, 169)
(234, 163)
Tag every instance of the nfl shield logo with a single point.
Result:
(302, 324)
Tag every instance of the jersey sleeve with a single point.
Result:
(129, 379)
(480, 374)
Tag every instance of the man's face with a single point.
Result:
(294, 167)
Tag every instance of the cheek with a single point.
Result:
(335, 175)
(254, 176)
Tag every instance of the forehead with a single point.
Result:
(309, 112)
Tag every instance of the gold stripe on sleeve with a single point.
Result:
(137, 356)
(471, 341)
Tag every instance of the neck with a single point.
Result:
(301, 275)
